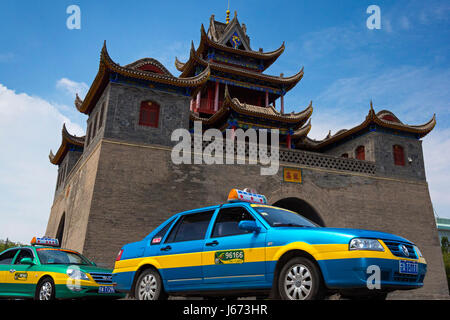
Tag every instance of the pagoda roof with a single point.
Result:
(220, 32)
(195, 59)
(144, 69)
(295, 119)
(384, 118)
(67, 140)
(205, 42)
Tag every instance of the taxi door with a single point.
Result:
(231, 256)
(21, 277)
(180, 256)
(6, 259)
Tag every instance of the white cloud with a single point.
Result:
(72, 87)
(29, 128)
(437, 165)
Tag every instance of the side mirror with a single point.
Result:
(26, 261)
(249, 226)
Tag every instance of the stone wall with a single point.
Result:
(74, 201)
(123, 114)
(379, 148)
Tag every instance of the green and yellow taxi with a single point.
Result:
(44, 271)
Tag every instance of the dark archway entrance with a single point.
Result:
(60, 232)
(301, 207)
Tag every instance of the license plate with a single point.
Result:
(408, 267)
(106, 289)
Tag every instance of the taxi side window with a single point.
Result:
(8, 256)
(160, 235)
(227, 222)
(190, 227)
(24, 253)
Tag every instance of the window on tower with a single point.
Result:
(399, 155)
(149, 114)
(360, 153)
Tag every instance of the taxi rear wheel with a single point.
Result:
(299, 279)
(149, 286)
(45, 290)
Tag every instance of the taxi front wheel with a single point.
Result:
(149, 286)
(300, 279)
(45, 290)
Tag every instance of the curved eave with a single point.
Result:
(302, 132)
(107, 65)
(148, 61)
(287, 82)
(205, 41)
(150, 76)
(296, 119)
(67, 140)
(250, 110)
(419, 130)
(179, 65)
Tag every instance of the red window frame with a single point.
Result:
(399, 155)
(149, 114)
(361, 153)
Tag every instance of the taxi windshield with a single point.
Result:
(58, 256)
(278, 217)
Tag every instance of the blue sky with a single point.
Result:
(403, 67)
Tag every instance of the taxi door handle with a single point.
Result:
(12, 270)
(212, 244)
(166, 248)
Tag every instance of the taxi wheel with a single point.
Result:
(45, 290)
(300, 279)
(149, 286)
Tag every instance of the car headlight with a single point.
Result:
(76, 274)
(419, 253)
(365, 244)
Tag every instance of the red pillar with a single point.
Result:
(233, 128)
(282, 103)
(198, 101)
(216, 97)
(267, 98)
(210, 98)
(288, 141)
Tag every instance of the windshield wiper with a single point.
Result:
(289, 225)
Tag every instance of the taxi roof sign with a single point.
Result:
(247, 196)
(45, 241)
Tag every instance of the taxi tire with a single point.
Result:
(316, 288)
(160, 294)
(46, 281)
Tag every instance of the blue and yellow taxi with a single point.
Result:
(248, 248)
(44, 271)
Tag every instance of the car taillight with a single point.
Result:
(119, 255)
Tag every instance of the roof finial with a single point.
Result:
(228, 13)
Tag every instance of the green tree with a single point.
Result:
(446, 256)
(444, 244)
